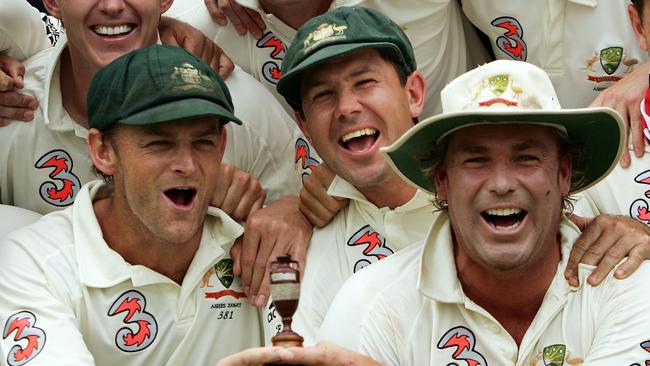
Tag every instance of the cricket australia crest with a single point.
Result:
(187, 77)
(223, 270)
(610, 59)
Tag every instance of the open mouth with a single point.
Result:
(360, 140)
(181, 197)
(504, 218)
(113, 31)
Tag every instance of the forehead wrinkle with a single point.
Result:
(165, 131)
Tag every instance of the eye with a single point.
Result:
(321, 95)
(205, 142)
(364, 82)
(527, 158)
(157, 143)
(476, 160)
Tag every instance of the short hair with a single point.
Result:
(432, 162)
(638, 4)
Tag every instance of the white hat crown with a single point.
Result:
(500, 86)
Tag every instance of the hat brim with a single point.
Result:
(183, 109)
(289, 85)
(600, 132)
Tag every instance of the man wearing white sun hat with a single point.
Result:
(487, 285)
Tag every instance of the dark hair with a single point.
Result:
(638, 4)
(434, 160)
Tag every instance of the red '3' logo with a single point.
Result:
(23, 324)
(375, 246)
(62, 191)
(512, 41)
(133, 303)
(464, 341)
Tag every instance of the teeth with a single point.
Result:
(109, 31)
(359, 133)
(503, 211)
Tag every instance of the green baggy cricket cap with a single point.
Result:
(336, 33)
(157, 84)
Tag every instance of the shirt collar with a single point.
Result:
(438, 278)
(100, 266)
(54, 115)
(342, 188)
(590, 3)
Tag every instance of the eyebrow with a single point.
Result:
(312, 83)
(158, 130)
(519, 146)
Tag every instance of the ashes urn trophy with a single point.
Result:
(285, 290)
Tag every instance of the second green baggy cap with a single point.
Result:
(338, 32)
(157, 84)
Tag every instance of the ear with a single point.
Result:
(637, 26)
(416, 88)
(440, 179)
(223, 139)
(165, 5)
(564, 174)
(102, 153)
(302, 124)
(52, 7)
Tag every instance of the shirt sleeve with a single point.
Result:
(323, 278)
(621, 322)
(37, 318)
(24, 31)
(263, 145)
(359, 321)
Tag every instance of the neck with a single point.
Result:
(75, 77)
(138, 246)
(393, 193)
(513, 297)
(297, 14)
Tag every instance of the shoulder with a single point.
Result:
(15, 218)
(387, 279)
(48, 236)
(259, 110)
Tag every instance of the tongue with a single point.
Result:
(503, 221)
(361, 143)
(179, 197)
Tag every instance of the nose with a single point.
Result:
(502, 180)
(184, 161)
(348, 104)
(111, 6)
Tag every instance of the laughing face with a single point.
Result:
(353, 105)
(101, 31)
(165, 175)
(504, 186)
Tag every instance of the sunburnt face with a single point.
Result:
(165, 175)
(504, 185)
(353, 105)
(99, 31)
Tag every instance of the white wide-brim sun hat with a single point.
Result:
(510, 92)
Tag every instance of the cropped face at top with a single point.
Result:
(353, 105)
(504, 186)
(100, 31)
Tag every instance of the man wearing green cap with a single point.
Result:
(137, 271)
(352, 78)
(487, 285)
